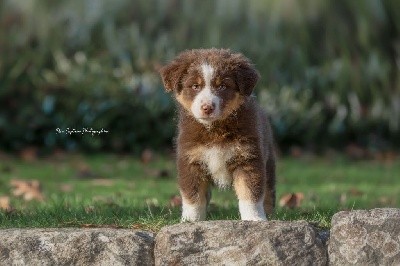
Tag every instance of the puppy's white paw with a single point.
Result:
(252, 211)
(193, 212)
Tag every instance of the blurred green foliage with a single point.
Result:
(330, 69)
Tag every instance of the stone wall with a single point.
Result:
(76, 247)
(356, 238)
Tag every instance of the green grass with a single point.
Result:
(137, 195)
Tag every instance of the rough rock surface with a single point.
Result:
(76, 247)
(365, 237)
(240, 243)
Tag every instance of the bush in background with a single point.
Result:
(329, 68)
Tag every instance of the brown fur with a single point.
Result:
(243, 128)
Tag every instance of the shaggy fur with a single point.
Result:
(224, 138)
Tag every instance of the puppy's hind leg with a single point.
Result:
(270, 197)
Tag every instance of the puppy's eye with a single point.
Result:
(222, 87)
(196, 87)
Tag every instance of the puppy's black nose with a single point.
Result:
(208, 108)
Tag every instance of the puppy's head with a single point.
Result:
(210, 83)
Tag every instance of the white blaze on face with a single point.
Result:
(205, 96)
(208, 72)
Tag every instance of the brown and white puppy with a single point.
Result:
(224, 138)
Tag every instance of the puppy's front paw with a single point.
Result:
(193, 212)
(252, 211)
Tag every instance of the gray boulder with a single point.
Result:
(240, 243)
(365, 237)
(74, 246)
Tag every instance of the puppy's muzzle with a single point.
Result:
(207, 108)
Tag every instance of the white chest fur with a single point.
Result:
(215, 159)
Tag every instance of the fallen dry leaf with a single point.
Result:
(356, 152)
(387, 157)
(296, 152)
(147, 156)
(5, 203)
(27, 189)
(84, 171)
(29, 154)
(292, 200)
(137, 226)
(66, 187)
(102, 182)
(355, 192)
(175, 201)
(59, 154)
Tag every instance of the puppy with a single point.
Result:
(224, 138)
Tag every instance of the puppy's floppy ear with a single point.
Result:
(172, 73)
(247, 76)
